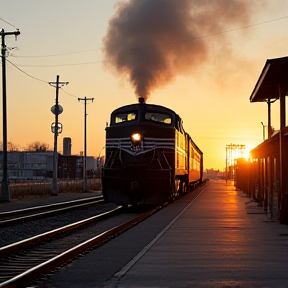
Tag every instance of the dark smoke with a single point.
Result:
(155, 40)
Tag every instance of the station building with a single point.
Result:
(265, 175)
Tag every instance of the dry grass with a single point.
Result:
(21, 189)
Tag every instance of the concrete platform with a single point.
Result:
(220, 240)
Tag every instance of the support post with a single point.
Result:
(269, 118)
(283, 162)
(269, 102)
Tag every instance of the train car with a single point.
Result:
(150, 159)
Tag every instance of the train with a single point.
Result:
(150, 158)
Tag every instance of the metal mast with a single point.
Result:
(56, 111)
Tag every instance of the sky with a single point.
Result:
(208, 86)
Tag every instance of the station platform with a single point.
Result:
(222, 239)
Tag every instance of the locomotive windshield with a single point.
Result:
(126, 116)
(158, 117)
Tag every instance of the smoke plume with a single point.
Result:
(152, 41)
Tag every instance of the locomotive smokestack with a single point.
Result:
(141, 100)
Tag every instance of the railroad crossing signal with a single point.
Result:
(53, 128)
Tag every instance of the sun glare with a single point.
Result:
(246, 154)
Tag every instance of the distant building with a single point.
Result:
(70, 167)
(213, 174)
(28, 165)
(67, 146)
(33, 165)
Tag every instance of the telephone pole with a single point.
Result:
(5, 182)
(56, 109)
(85, 143)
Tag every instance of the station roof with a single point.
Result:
(269, 147)
(275, 72)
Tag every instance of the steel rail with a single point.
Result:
(37, 271)
(21, 215)
(41, 207)
(12, 248)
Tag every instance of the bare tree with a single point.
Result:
(12, 147)
(38, 146)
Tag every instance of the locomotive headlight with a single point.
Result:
(136, 139)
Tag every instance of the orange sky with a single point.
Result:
(212, 99)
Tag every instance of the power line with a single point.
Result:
(39, 79)
(73, 95)
(224, 32)
(68, 93)
(56, 55)
(167, 43)
(102, 61)
(26, 72)
(68, 64)
(8, 23)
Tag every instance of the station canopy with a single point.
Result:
(268, 148)
(274, 73)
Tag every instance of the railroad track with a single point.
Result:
(27, 260)
(16, 216)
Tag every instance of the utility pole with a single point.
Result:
(56, 109)
(5, 182)
(85, 143)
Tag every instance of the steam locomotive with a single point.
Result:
(150, 159)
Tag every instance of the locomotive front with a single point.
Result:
(140, 155)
